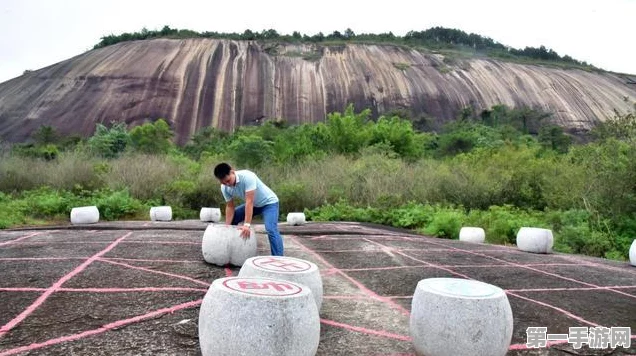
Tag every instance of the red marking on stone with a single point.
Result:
(125, 290)
(566, 289)
(360, 286)
(149, 260)
(539, 271)
(434, 265)
(281, 264)
(262, 287)
(346, 297)
(107, 327)
(22, 289)
(11, 242)
(157, 272)
(567, 313)
(31, 308)
(365, 330)
(228, 271)
(9, 259)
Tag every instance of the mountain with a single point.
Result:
(198, 82)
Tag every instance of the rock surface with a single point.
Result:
(194, 83)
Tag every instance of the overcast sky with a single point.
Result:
(38, 33)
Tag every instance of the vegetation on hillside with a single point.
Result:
(500, 169)
(436, 38)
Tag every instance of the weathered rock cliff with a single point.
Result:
(200, 82)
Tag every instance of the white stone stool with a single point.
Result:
(472, 234)
(632, 254)
(535, 240)
(84, 215)
(287, 269)
(451, 316)
(161, 213)
(296, 219)
(210, 215)
(223, 244)
(258, 316)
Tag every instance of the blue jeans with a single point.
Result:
(270, 216)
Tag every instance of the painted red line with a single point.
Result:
(451, 266)
(147, 260)
(346, 297)
(363, 330)
(555, 308)
(528, 299)
(548, 344)
(157, 272)
(540, 271)
(228, 271)
(11, 324)
(594, 264)
(11, 242)
(352, 280)
(434, 266)
(22, 289)
(328, 272)
(160, 242)
(125, 290)
(107, 327)
(566, 289)
(41, 258)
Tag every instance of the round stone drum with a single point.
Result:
(535, 240)
(161, 213)
(223, 244)
(258, 316)
(472, 234)
(210, 214)
(451, 316)
(286, 268)
(84, 215)
(296, 219)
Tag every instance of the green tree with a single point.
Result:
(553, 137)
(109, 143)
(250, 150)
(152, 138)
(348, 132)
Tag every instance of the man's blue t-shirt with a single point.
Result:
(246, 181)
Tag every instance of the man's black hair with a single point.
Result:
(222, 170)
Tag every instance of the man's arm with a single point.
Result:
(249, 206)
(229, 212)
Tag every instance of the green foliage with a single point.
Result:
(152, 138)
(250, 151)
(348, 132)
(113, 205)
(209, 140)
(553, 137)
(109, 142)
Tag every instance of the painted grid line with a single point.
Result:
(567, 313)
(107, 327)
(31, 308)
(11, 242)
(360, 286)
(157, 272)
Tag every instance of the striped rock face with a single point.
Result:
(194, 83)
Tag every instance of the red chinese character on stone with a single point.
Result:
(253, 285)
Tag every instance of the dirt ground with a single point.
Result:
(134, 288)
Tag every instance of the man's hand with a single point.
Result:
(245, 231)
